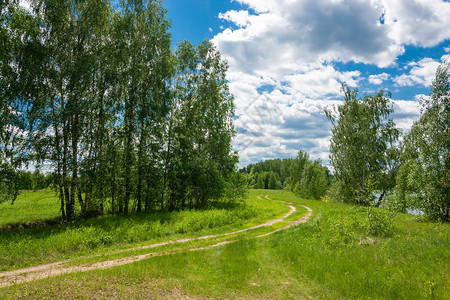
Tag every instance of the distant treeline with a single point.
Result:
(34, 180)
(305, 177)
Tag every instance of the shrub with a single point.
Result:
(379, 222)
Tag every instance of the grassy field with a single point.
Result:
(21, 247)
(30, 207)
(343, 252)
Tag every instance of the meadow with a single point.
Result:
(342, 252)
(37, 236)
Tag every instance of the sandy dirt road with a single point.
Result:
(69, 266)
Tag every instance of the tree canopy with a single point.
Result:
(363, 146)
(423, 180)
(97, 94)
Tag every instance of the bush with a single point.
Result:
(344, 231)
(379, 222)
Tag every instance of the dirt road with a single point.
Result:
(69, 266)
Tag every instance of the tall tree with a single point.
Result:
(363, 138)
(313, 183)
(91, 90)
(21, 92)
(426, 174)
(145, 64)
(199, 158)
(296, 169)
(70, 30)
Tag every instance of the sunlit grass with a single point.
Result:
(27, 246)
(30, 207)
(306, 261)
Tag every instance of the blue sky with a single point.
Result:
(287, 59)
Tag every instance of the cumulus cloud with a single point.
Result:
(289, 34)
(240, 18)
(279, 125)
(318, 83)
(25, 5)
(418, 22)
(405, 113)
(421, 73)
(378, 78)
(283, 56)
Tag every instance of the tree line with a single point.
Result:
(301, 175)
(96, 92)
(375, 165)
(35, 180)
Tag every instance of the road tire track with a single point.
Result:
(9, 278)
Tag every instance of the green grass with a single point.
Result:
(28, 246)
(321, 259)
(30, 207)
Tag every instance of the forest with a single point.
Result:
(305, 177)
(375, 164)
(96, 95)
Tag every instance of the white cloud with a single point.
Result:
(290, 49)
(418, 22)
(421, 73)
(405, 113)
(290, 34)
(277, 125)
(25, 5)
(378, 78)
(420, 97)
(240, 18)
(320, 82)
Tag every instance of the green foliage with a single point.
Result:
(279, 167)
(199, 161)
(344, 232)
(363, 151)
(236, 187)
(124, 122)
(34, 180)
(18, 35)
(379, 222)
(307, 178)
(423, 181)
(313, 183)
(272, 182)
(352, 230)
(9, 183)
